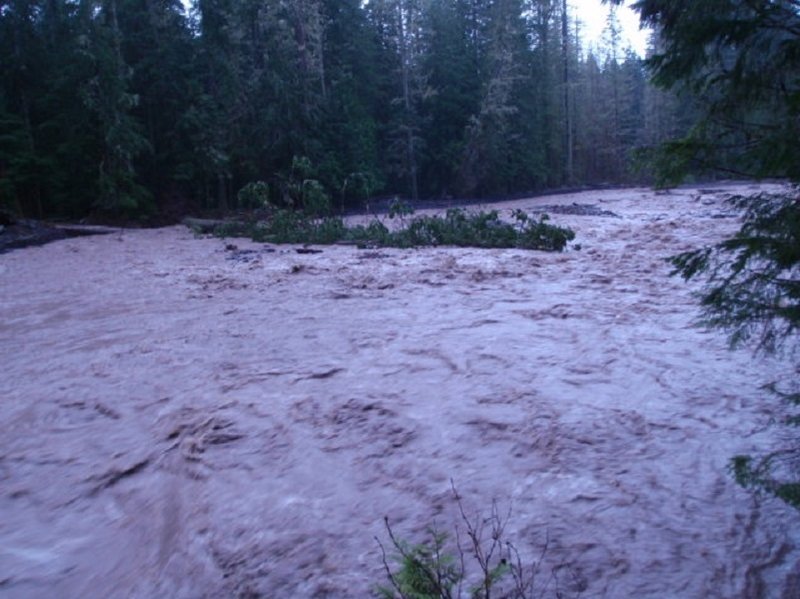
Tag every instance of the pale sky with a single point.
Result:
(593, 13)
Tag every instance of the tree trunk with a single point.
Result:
(405, 68)
(222, 193)
(568, 143)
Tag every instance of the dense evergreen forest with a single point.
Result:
(138, 108)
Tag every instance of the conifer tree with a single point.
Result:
(131, 106)
(740, 59)
(451, 62)
(107, 94)
(399, 24)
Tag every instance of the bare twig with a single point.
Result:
(431, 571)
(386, 567)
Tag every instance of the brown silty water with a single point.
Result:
(182, 420)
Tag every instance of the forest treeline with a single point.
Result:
(139, 107)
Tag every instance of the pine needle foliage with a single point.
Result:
(753, 278)
(740, 60)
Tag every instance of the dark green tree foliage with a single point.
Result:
(107, 95)
(614, 123)
(134, 107)
(667, 117)
(614, 88)
(451, 61)
(43, 122)
(20, 163)
(398, 24)
(741, 60)
(287, 80)
(158, 48)
(351, 164)
(495, 146)
(544, 35)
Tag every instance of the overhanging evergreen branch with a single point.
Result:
(753, 279)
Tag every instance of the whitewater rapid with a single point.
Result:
(182, 419)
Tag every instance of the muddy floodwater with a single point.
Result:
(182, 419)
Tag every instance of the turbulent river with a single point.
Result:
(182, 419)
